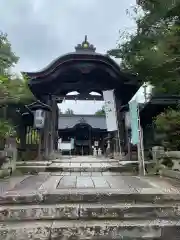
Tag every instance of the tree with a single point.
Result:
(69, 112)
(7, 56)
(153, 51)
(168, 124)
(100, 112)
(13, 90)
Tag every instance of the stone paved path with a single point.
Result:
(91, 205)
(88, 181)
(85, 179)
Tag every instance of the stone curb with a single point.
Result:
(84, 195)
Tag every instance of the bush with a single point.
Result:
(168, 124)
(6, 129)
(167, 162)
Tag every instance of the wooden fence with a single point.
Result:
(29, 151)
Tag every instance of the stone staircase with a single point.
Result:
(72, 165)
(88, 216)
(47, 209)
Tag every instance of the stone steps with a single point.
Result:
(50, 168)
(83, 214)
(87, 230)
(29, 168)
(88, 195)
(92, 160)
(87, 211)
(69, 206)
(33, 163)
(88, 169)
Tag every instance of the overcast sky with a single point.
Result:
(42, 30)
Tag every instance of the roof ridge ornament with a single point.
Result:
(85, 46)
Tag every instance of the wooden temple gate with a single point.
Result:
(83, 71)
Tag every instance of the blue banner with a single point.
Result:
(133, 108)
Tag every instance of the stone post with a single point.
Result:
(10, 152)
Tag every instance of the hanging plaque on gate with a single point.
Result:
(96, 143)
(39, 119)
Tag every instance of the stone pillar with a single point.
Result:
(11, 154)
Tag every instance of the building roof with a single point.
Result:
(70, 121)
(83, 71)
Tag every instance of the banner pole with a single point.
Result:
(140, 147)
(118, 130)
(137, 135)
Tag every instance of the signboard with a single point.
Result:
(96, 143)
(110, 110)
(65, 146)
(39, 119)
(72, 143)
(133, 107)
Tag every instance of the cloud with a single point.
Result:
(41, 30)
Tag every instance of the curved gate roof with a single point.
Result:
(84, 71)
(70, 121)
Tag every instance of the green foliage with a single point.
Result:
(168, 122)
(101, 112)
(7, 57)
(6, 129)
(14, 91)
(153, 51)
(12, 88)
(167, 162)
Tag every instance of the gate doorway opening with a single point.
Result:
(83, 141)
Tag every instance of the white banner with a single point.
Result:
(110, 110)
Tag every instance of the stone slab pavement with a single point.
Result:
(87, 180)
(92, 181)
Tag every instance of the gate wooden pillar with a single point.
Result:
(121, 125)
(56, 118)
(50, 128)
(46, 139)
